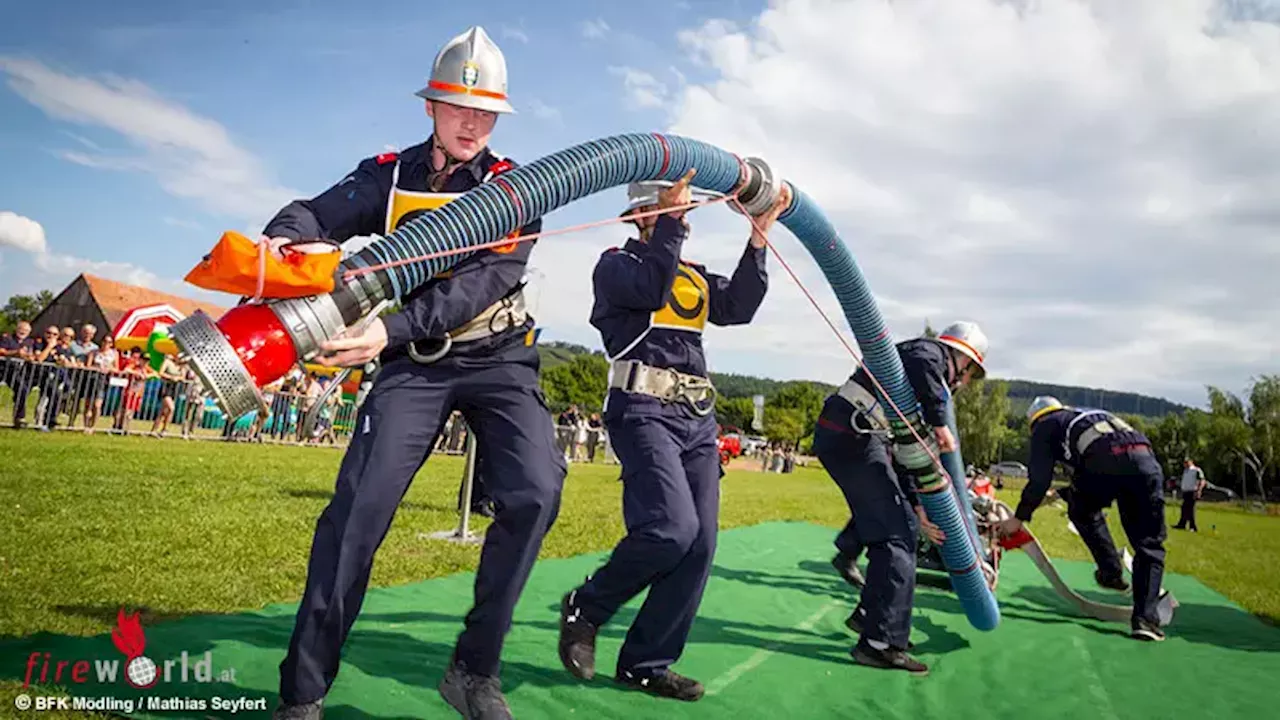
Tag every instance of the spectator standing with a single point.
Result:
(1192, 486)
(103, 361)
(55, 354)
(170, 375)
(193, 411)
(17, 350)
(594, 427)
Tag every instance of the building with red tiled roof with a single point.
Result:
(103, 303)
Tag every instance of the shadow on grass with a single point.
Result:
(1217, 625)
(147, 615)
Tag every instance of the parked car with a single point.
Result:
(1008, 468)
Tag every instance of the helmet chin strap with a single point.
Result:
(438, 177)
(953, 369)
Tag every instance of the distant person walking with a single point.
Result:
(1192, 486)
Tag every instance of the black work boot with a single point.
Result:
(1146, 631)
(577, 640)
(1113, 582)
(665, 684)
(476, 697)
(888, 659)
(848, 569)
(854, 623)
(305, 711)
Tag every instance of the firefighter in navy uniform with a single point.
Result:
(852, 442)
(651, 308)
(1111, 462)
(462, 341)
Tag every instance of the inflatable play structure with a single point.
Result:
(146, 328)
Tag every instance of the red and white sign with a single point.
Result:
(140, 321)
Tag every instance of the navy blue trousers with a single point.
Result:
(671, 506)
(883, 523)
(847, 540)
(1134, 482)
(394, 434)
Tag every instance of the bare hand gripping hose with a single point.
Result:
(253, 345)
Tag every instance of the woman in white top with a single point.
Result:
(105, 361)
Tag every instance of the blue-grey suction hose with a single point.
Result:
(516, 197)
(954, 464)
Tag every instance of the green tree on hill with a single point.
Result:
(580, 382)
(735, 412)
(23, 307)
(981, 413)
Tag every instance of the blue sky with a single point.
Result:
(305, 88)
(1089, 180)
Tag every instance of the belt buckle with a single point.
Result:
(412, 349)
(630, 375)
(682, 392)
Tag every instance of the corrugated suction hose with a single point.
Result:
(512, 199)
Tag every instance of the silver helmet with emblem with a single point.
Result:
(645, 192)
(969, 339)
(470, 71)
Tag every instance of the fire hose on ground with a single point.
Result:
(1105, 612)
(253, 345)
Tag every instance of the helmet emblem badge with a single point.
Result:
(470, 74)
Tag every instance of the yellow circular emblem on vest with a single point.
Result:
(686, 307)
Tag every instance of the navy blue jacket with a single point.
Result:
(1053, 434)
(358, 205)
(652, 306)
(926, 364)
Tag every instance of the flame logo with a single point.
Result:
(127, 635)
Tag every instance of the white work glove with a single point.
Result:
(277, 246)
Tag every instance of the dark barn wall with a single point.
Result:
(74, 307)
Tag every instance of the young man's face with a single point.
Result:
(463, 132)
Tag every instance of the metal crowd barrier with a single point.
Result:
(51, 396)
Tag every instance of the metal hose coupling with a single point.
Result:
(254, 345)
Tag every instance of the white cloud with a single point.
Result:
(543, 111)
(190, 156)
(1091, 180)
(594, 29)
(56, 269)
(513, 33)
(642, 89)
(66, 267)
(21, 232)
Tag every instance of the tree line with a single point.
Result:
(1236, 441)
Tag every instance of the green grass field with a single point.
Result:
(96, 523)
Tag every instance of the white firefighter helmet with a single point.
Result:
(470, 71)
(1041, 406)
(969, 339)
(645, 192)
